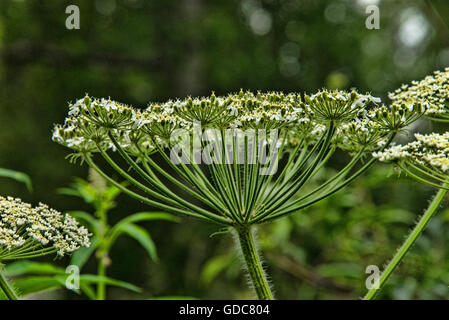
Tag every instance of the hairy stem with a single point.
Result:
(253, 263)
(411, 239)
(6, 287)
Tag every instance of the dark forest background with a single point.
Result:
(137, 51)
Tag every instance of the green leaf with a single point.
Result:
(18, 176)
(35, 284)
(214, 267)
(142, 236)
(81, 189)
(91, 278)
(146, 216)
(29, 267)
(88, 290)
(30, 285)
(112, 192)
(48, 277)
(138, 217)
(80, 256)
(69, 192)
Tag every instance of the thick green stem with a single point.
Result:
(102, 256)
(6, 287)
(101, 287)
(411, 239)
(253, 263)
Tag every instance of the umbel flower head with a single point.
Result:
(426, 159)
(27, 232)
(90, 120)
(432, 93)
(241, 138)
(224, 153)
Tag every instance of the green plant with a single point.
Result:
(243, 139)
(31, 232)
(40, 277)
(98, 193)
(18, 176)
(322, 252)
(35, 277)
(426, 159)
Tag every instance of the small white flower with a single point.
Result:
(20, 222)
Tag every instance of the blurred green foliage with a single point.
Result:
(30, 278)
(137, 51)
(96, 192)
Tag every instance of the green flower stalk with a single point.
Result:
(239, 160)
(30, 232)
(426, 159)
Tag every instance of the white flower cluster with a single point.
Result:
(430, 152)
(396, 116)
(432, 92)
(91, 121)
(23, 228)
(338, 105)
(394, 153)
(361, 134)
